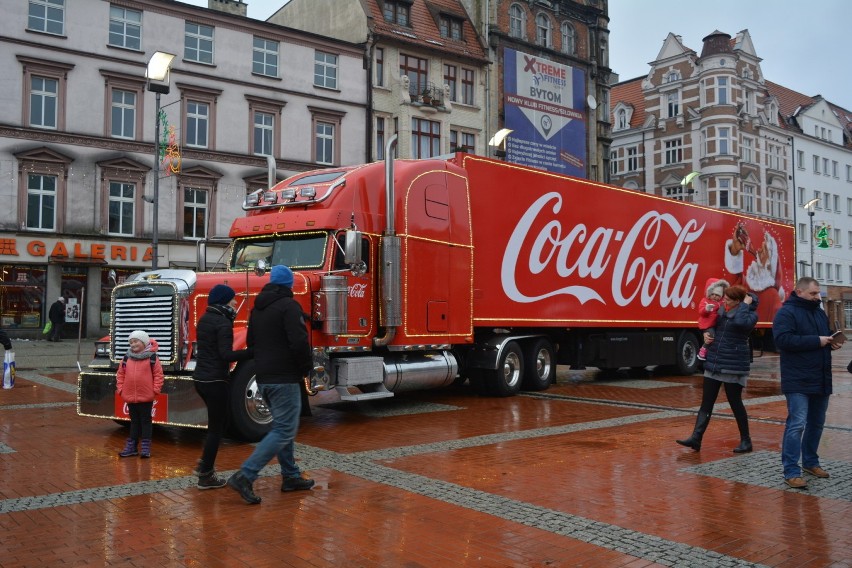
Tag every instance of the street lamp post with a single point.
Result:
(809, 207)
(157, 76)
(498, 142)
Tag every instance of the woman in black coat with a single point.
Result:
(212, 375)
(728, 363)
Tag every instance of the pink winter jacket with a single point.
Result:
(135, 381)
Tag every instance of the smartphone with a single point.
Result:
(836, 334)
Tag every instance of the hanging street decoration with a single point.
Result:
(821, 234)
(168, 148)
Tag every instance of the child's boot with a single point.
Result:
(146, 449)
(129, 449)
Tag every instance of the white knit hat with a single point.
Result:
(62, 299)
(140, 335)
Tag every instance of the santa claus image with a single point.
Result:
(763, 276)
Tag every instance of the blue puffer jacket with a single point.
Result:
(730, 353)
(805, 366)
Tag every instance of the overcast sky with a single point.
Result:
(803, 44)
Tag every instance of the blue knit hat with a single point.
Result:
(282, 276)
(221, 294)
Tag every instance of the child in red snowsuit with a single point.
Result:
(708, 308)
(138, 381)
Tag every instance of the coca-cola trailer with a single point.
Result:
(420, 273)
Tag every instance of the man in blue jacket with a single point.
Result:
(802, 335)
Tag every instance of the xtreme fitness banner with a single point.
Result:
(544, 105)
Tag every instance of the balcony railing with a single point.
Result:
(430, 94)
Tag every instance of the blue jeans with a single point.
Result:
(285, 404)
(803, 430)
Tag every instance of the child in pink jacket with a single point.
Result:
(138, 382)
(708, 308)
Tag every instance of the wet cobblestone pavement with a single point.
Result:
(586, 473)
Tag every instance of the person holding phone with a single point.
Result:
(805, 342)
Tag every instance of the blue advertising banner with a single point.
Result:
(544, 106)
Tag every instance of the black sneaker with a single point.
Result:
(241, 485)
(296, 484)
(210, 481)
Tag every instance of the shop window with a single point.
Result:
(22, 297)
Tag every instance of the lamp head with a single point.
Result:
(157, 72)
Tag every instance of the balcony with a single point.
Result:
(430, 95)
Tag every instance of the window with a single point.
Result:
(776, 203)
(543, 31)
(122, 201)
(803, 233)
(325, 70)
(125, 28)
(621, 119)
(632, 159)
(800, 158)
(326, 131)
(748, 106)
(673, 104)
(41, 202)
(801, 192)
(671, 77)
(197, 124)
(415, 69)
(722, 90)
(194, 213)
(47, 16)
(748, 198)
(613, 163)
(265, 57)
(380, 66)
(380, 138)
(724, 192)
(828, 272)
(462, 142)
(467, 86)
(724, 140)
(825, 166)
(674, 151)
(569, 41)
(816, 164)
(123, 114)
(450, 27)
(451, 79)
(836, 201)
(848, 173)
(818, 197)
(818, 274)
(677, 192)
(517, 21)
(264, 130)
(837, 242)
(198, 43)
(44, 102)
(747, 149)
(425, 138)
(849, 240)
(397, 12)
(774, 153)
(834, 166)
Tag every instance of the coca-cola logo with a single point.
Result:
(649, 261)
(357, 290)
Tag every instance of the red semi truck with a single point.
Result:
(419, 273)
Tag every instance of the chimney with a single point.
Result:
(236, 7)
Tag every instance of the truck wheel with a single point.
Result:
(687, 354)
(250, 418)
(506, 379)
(539, 365)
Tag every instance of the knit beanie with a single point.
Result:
(221, 294)
(282, 276)
(140, 335)
(61, 299)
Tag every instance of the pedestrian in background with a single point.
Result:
(803, 338)
(4, 339)
(728, 363)
(139, 380)
(282, 356)
(56, 315)
(212, 375)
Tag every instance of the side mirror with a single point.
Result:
(352, 247)
(260, 267)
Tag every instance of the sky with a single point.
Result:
(802, 44)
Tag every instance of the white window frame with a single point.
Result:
(43, 98)
(123, 113)
(673, 151)
(632, 158)
(198, 43)
(125, 28)
(749, 198)
(46, 200)
(263, 133)
(264, 59)
(569, 39)
(193, 206)
(517, 21)
(197, 122)
(543, 30)
(747, 149)
(126, 205)
(325, 70)
(673, 104)
(46, 16)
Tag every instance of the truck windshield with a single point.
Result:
(299, 251)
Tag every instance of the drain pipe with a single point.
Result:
(390, 316)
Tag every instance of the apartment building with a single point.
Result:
(78, 156)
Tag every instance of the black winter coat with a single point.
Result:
(730, 352)
(216, 346)
(56, 313)
(4, 339)
(278, 337)
(805, 366)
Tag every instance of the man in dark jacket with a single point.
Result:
(56, 315)
(212, 376)
(802, 335)
(282, 355)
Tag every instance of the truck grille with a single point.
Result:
(153, 314)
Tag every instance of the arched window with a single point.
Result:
(621, 121)
(543, 31)
(569, 42)
(671, 77)
(517, 21)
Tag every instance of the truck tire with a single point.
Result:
(687, 354)
(250, 419)
(539, 365)
(506, 379)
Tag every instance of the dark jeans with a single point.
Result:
(215, 395)
(140, 419)
(55, 332)
(733, 391)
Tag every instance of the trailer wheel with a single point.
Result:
(506, 379)
(687, 354)
(539, 365)
(250, 418)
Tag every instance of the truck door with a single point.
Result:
(361, 289)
